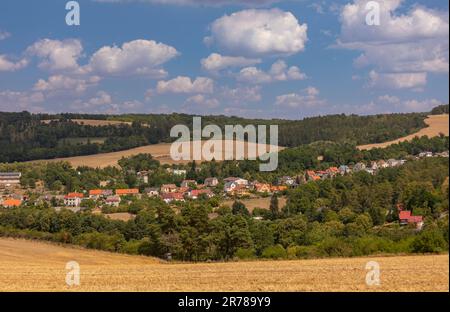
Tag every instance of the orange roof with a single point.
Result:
(315, 178)
(12, 202)
(127, 191)
(333, 169)
(95, 192)
(74, 195)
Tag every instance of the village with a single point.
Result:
(190, 190)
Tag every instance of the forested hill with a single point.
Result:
(24, 136)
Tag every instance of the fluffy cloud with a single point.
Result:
(307, 98)
(397, 80)
(135, 57)
(410, 44)
(7, 65)
(201, 101)
(255, 33)
(279, 71)
(186, 85)
(19, 101)
(241, 95)
(216, 62)
(65, 83)
(57, 55)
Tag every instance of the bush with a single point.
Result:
(335, 247)
(274, 252)
(431, 240)
(245, 253)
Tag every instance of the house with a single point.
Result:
(406, 218)
(343, 170)
(311, 175)
(240, 190)
(238, 181)
(171, 197)
(382, 164)
(211, 182)
(188, 183)
(332, 172)
(393, 162)
(125, 192)
(286, 180)
(443, 154)
(278, 188)
(143, 176)
(152, 191)
(262, 187)
(73, 199)
(195, 194)
(9, 178)
(177, 172)
(374, 165)
(95, 194)
(168, 188)
(113, 201)
(425, 154)
(359, 167)
(229, 187)
(11, 202)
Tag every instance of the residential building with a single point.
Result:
(125, 192)
(195, 194)
(152, 191)
(238, 181)
(168, 188)
(113, 201)
(11, 202)
(188, 183)
(211, 182)
(73, 199)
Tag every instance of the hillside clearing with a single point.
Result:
(437, 124)
(38, 266)
(261, 202)
(160, 152)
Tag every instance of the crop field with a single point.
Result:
(38, 266)
(160, 152)
(437, 124)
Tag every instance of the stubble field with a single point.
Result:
(38, 266)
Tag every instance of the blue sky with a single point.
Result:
(287, 59)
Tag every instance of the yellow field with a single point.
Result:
(160, 152)
(437, 124)
(36, 266)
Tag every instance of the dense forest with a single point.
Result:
(23, 136)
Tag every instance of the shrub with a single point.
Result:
(245, 253)
(274, 252)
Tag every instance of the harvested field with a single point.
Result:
(437, 124)
(160, 152)
(37, 266)
(121, 216)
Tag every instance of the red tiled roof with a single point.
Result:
(12, 202)
(74, 195)
(127, 191)
(404, 215)
(95, 192)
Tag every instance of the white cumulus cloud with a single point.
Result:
(254, 33)
(183, 84)
(279, 71)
